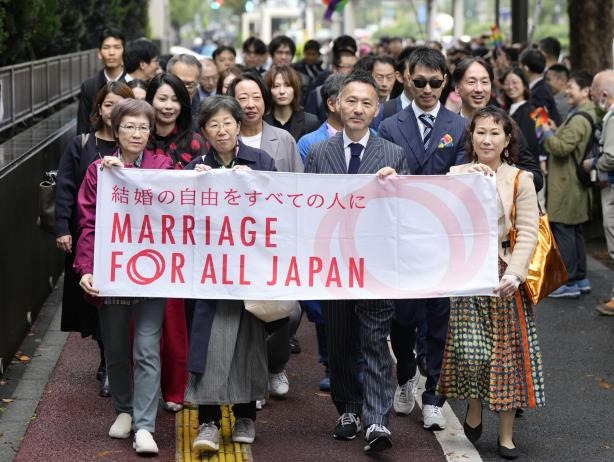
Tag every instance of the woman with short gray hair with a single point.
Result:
(227, 356)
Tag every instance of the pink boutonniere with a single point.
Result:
(446, 141)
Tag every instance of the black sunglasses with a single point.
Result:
(421, 83)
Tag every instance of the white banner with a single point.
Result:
(285, 236)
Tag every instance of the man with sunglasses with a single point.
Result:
(434, 140)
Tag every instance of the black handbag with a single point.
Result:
(46, 202)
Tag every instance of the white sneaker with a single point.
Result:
(122, 427)
(278, 384)
(433, 418)
(260, 404)
(405, 395)
(144, 443)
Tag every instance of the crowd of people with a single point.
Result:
(413, 110)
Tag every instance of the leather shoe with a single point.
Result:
(507, 453)
(472, 433)
(105, 389)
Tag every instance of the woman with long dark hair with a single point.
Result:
(77, 314)
(173, 137)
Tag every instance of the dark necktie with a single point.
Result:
(427, 120)
(355, 149)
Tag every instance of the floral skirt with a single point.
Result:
(492, 353)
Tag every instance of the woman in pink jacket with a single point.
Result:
(137, 404)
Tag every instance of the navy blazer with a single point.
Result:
(256, 159)
(328, 156)
(403, 129)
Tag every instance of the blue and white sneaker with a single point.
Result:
(565, 291)
(584, 285)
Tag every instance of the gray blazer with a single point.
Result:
(328, 156)
(280, 145)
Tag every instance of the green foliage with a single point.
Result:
(34, 29)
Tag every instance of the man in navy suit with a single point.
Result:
(356, 150)
(434, 140)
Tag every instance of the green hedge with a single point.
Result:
(35, 29)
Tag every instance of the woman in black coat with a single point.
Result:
(77, 314)
(287, 113)
(518, 102)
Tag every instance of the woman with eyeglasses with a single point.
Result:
(286, 111)
(227, 360)
(173, 137)
(77, 314)
(135, 389)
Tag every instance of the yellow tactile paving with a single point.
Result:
(187, 428)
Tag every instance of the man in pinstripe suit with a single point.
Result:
(356, 150)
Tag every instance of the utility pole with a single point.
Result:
(520, 20)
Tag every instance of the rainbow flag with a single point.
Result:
(332, 6)
(541, 118)
(496, 37)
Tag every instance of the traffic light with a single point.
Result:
(216, 4)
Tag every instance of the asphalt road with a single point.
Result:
(576, 424)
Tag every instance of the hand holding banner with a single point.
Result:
(286, 236)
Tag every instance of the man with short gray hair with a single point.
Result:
(188, 69)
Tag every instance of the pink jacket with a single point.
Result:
(86, 206)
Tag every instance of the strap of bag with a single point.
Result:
(513, 212)
(514, 231)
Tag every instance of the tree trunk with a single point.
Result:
(590, 34)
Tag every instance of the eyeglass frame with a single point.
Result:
(134, 128)
(422, 82)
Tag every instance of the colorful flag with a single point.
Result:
(333, 5)
(540, 116)
(496, 36)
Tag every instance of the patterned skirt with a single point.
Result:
(492, 353)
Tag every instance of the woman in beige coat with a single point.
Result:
(492, 354)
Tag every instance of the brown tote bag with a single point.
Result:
(547, 271)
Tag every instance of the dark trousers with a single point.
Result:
(570, 239)
(373, 399)
(213, 412)
(409, 317)
(278, 345)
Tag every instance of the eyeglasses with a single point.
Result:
(421, 83)
(133, 128)
(190, 85)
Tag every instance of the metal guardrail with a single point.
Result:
(33, 87)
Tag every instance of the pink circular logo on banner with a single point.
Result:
(460, 269)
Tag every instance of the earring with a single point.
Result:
(506, 153)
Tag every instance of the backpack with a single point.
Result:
(592, 149)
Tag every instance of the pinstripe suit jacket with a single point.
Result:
(328, 156)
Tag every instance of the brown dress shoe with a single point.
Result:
(606, 309)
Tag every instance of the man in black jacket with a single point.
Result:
(533, 62)
(474, 77)
(110, 52)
